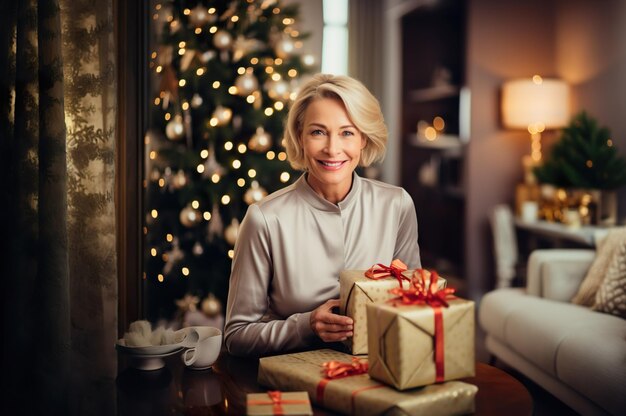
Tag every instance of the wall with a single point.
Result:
(591, 56)
(506, 39)
(575, 40)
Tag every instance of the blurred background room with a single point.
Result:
(135, 134)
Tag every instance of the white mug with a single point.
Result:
(530, 211)
(205, 352)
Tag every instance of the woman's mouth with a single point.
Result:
(331, 165)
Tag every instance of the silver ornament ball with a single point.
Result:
(190, 216)
(246, 84)
(222, 39)
(175, 130)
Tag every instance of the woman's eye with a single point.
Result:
(317, 132)
(347, 133)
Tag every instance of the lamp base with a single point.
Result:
(529, 164)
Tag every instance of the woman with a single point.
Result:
(293, 244)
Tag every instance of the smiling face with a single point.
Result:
(332, 148)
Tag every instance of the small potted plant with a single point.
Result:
(586, 164)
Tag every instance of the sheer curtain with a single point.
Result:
(365, 43)
(57, 230)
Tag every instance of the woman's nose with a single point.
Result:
(333, 146)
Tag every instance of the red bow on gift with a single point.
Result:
(395, 269)
(340, 369)
(333, 370)
(421, 293)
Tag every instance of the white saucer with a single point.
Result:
(198, 368)
(151, 350)
(148, 362)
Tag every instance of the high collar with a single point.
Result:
(316, 201)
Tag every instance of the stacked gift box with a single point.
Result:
(419, 341)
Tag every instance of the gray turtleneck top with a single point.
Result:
(289, 252)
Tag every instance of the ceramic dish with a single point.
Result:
(150, 362)
(147, 351)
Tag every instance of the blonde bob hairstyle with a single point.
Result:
(362, 108)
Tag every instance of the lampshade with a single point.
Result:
(527, 102)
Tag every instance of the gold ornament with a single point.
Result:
(243, 46)
(174, 130)
(211, 306)
(246, 83)
(188, 303)
(215, 225)
(207, 56)
(179, 180)
(199, 15)
(223, 115)
(254, 194)
(212, 166)
(284, 48)
(190, 216)
(196, 100)
(222, 40)
(197, 249)
(260, 141)
(231, 232)
(278, 90)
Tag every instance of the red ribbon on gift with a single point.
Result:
(420, 293)
(277, 401)
(395, 269)
(339, 369)
(334, 370)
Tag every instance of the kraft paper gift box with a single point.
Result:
(355, 291)
(402, 343)
(278, 403)
(359, 394)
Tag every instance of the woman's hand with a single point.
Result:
(329, 326)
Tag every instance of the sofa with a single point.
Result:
(575, 353)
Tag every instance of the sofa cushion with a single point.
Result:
(592, 361)
(611, 297)
(595, 275)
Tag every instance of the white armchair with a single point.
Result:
(576, 354)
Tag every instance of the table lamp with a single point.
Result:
(535, 104)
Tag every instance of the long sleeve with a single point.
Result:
(407, 248)
(247, 332)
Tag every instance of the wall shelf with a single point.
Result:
(433, 75)
(434, 93)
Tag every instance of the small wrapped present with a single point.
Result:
(340, 382)
(424, 336)
(360, 287)
(278, 403)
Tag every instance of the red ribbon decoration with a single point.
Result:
(419, 293)
(334, 370)
(340, 369)
(277, 401)
(395, 269)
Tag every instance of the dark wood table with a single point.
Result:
(176, 390)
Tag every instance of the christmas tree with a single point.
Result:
(225, 73)
(584, 157)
